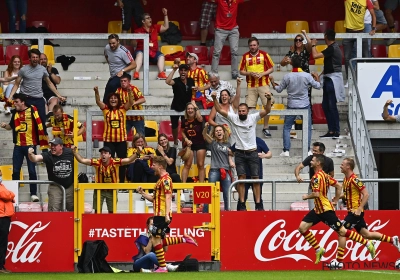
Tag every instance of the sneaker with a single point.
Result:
(190, 240)
(346, 85)
(208, 154)
(266, 132)
(234, 77)
(318, 255)
(241, 206)
(14, 42)
(327, 135)
(136, 76)
(293, 135)
(396, 242)
(285, 154)
(162, 76)
(4, 270)
(26, 43)
(371, 249)
(146, 270)
(171, 267)
(7, 111)
(336, 135)
(259, 207)
(161, 270)
(34, 198)
(390, 41)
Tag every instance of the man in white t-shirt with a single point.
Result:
(244, 128)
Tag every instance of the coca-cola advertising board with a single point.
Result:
(271, 241)
(41, 242)
(120, 231)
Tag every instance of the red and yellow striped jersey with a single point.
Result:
(109, 173)
(66, 126)
(143, 152)
(200, 77)
(114, 125)
(137, 94)
(162, 188)
(320, 182)
(258, 63)
(352, 188)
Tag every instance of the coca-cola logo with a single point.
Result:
(279, 239)
(26, 249)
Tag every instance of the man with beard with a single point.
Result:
(54, 76)
(182, 89)
(30, 78)
(244, 128)
(107, 171)
(256, 65)
(119, 60)
(62, 125)
(60, 169)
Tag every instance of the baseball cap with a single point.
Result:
(56, 141)
(183, 66)
(193, 55)
(105, 149)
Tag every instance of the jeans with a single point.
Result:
(138, 125)
(215, 175)
(147, 262)
(112, 85)
(289, 121)
(348, 48)
(220, 37)
(367, 29)
(12, 6)
(40, 104)
(329, 105)
(18, 157)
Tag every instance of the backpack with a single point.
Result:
(172, 36)
(189, 264)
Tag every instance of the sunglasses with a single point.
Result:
(298, 40)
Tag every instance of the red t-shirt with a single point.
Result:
(226, 13)
(153, 40)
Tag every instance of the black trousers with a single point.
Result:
(119, 148)
(4, 230)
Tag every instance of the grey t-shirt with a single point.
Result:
(60, 169)
(219, 155)
(32, 80)
(118, 59)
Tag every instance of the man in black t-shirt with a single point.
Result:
(60, 169)
(54, 76)
(182, 88)
(328, 168)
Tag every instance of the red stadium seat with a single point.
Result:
(2, 57)
(190, 30)
(201, 51)
(20, 50)
(378, 51)
(165, 127)
(97, 132)
(225, 56)
(41, 23)
(320, 26)
(318, 114)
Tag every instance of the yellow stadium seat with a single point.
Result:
(162, 23)
(168, 49)
(394, 51)
(48, 51)
(320, 48)
(115, 27)
(296, 26)
(193, 171)
(153, 125)
(339, 26)
(7, 171)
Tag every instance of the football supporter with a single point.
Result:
(114, 135)
(201, 83)
(107, 172)
(131, 8)
(54, 76)
(62, 125)
(324, 211)
(169, 153)
(28, 131)
(218, 85)
(356, 195)
(12, 70)
(244, 131)
(156, 56)
(162, 200)
(119, 60)
(138, 99)
(207, 14)
(256, 65)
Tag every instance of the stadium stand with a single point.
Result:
(202, 53)
(296, 26)
(20, 50)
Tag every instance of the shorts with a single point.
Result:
(352, 221)
(175, 121)
(48, 100)
(250, 158)
(380, 17)
(152, 60)
(160, 227)
(253, 94)
(328, 217)
(208, 11)
(391, 5)
(197, 147)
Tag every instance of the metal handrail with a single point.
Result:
(274, 182)
(39, 182)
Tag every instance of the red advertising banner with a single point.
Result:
(41, 242)
(271, 241)
(120, 231)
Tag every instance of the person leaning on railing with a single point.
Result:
(385, 114)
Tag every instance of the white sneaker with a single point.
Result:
(396, 242)
(293, 135)
(346, 85)
(146, 270)
(208, 153)
(34, 198)
(284, 154)
(171, 267)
